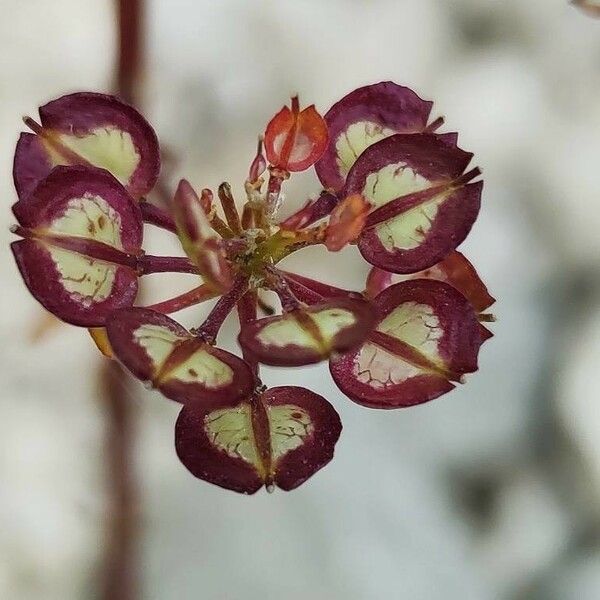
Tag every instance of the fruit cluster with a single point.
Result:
(392, 185)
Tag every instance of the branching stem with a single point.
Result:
(211, 326)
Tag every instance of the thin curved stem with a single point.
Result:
(130, 66)
(323, 289)
(154, 215)
(279, 285)
(212, 324)
(195, 296)
(303, 293)
(148, 264)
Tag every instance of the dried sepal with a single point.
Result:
(364, 117)
(455, 269)
(346, 222)
(89, 129)
(82, 231)
(308, 335)
(98, 335)
(426, 338)
(198, 239)
(294, 139)
(279, 437)
(424, 205)
(158, 350)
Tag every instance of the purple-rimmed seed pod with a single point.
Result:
(90, 129)
(363, 117)
(423, 203)
(427, 337)
(308, 335)
(82, 232)
(280, 437)
(158, 350)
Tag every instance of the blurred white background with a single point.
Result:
(491, 492)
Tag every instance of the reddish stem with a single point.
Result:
(120, 570)
(148, 264)
(212, 324)
(199, 294)
(130, 17)
(144, 264)
(154, 215)
(323, 289)
(279, 285)
(246, 308)
(303, 293)
(120, 573)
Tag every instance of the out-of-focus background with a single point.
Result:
(491, 492)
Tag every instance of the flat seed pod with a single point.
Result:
(427, 336)
(158, 350)
(308, 335)
(100, 129)
(364, 117)
(278, 438)
(81, 228)
(294, 139)
(424, 206)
